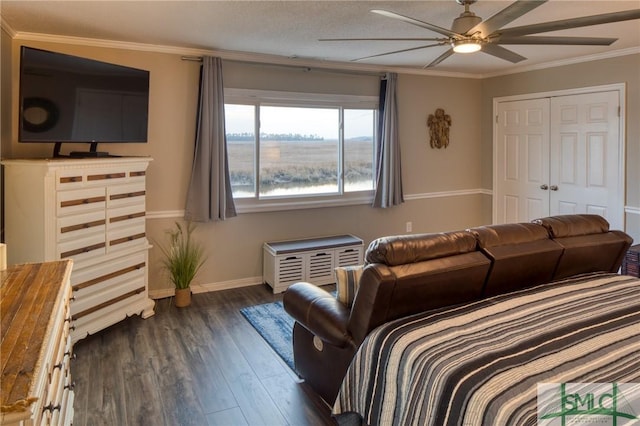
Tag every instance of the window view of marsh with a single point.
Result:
(299, 150)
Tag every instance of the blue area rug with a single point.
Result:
(275, 326)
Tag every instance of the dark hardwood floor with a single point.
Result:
(201, 365)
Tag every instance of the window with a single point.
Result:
(285, 148)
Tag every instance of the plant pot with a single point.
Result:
(183, 297)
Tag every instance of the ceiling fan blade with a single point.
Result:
(586, 41)
(398, 51)
(443, 40)
(505, 16)
(439, 59)
(417, 22)
(564, 24)
(502, 53)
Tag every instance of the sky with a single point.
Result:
(321, 122)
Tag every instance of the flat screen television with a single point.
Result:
(65, 98)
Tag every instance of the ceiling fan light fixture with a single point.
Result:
(466, 46)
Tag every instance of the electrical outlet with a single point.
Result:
(409, 226)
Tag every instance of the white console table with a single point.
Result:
(312, 260)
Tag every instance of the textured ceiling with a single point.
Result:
(291, 29)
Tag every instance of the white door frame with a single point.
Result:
(619, 87)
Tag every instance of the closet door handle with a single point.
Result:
(553, 187)
(544, 187)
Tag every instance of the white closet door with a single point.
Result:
(522, 161)
(585, 149)
(559, 155)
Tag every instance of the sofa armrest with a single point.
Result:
(319, 312)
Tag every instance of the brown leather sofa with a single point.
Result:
(409, 274)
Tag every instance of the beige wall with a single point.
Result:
(234, 246)
(431, 176)
(623, 69)
(5, 88)
(5, 110)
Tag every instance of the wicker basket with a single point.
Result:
(631, 262)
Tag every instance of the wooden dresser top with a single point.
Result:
(29, 294)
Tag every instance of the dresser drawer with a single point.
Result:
(66, 414)
(126, 237)
(54, 401)
(94, 280)
(107, 293)
(80, 225)
(80, 201)
(109, 311)
(122, 195)
(82, 178)
(70, 179)
(62, 415)
(127, 216)
(137, 174)
(53, 397)
(82, 247)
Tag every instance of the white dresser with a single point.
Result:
(35, 382)
(91, 211)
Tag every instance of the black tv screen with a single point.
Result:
(65, 98)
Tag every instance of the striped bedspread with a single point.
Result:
(479, 364)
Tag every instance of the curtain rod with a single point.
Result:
(304, 68)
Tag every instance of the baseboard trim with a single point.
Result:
(206, 288)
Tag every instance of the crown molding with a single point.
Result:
(569, 61)
(231, 55)
(4, 26)
(295, 61)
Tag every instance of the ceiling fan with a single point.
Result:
(469, 33)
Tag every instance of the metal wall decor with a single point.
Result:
(439, 124)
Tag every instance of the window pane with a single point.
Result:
(358, 149)
(241, 140)
(298, 151)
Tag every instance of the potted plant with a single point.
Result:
(183, 258)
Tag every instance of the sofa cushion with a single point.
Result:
(522, 256)
(588, 244)
(390, 292)
(574, 225)
(347, 281)
(404, 249)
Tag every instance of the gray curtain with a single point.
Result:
(388, 171)
(209, 197)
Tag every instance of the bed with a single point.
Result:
(481, 363)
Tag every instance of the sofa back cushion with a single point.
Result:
(410, 274)
(588, 244)
(573, 225)
(403, 249)
(522, 256)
